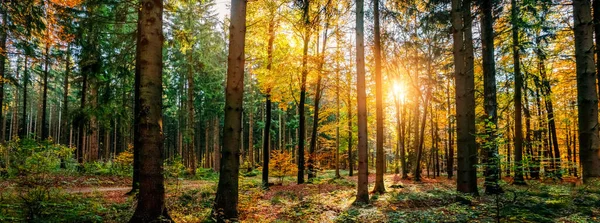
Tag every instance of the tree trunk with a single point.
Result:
(421, 141)
(379, 186)
(266, 140)
(191, 113)
(217, 145)
(465, 98)
(491, 158)
(148, 138)
(349, 117)
(23, 130)
(547, 91)
(337, 123)
(315, 130)
(302, 121)
(65, 108)
(596, 10)
(226, 200)
(519, 179)
(587, 98)
(450, 152)
(362, 195)
(3, 57)
(44, 124)
(82, 133)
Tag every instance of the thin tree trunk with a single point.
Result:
(44, 124)
(302, 121)
(266, 140)
(379, 185)
(3, 57)
(349, 117)
(337, 124)
(362, 195)
(421, 141)
(519, 179)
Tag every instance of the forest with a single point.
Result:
(299, 111)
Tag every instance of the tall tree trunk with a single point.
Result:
(421, 141)
(23, 130)
(268, 110)
(65, 108)
(362, 195)
(226, 200)
(587, 98)
(44, 124)
(3, 56)
(251, 155)
(217, 145)
(82, 133)
(191, 113)
(93, 127)
(148, 138)
(349, 117)
(337, 124)
(302, 121)
(450, 153)
(379, 169)
(534, 171)
(266, 140)
(465, 98)
(519, 179)
(547, 91)
(491, 158)
(315, 128)
(596, 10)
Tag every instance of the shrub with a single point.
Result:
(282, 164)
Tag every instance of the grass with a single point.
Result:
(325, 200)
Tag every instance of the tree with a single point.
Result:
(3, 56)
(587, 100)
(492, 168)
(305, 4)
(362, 195)
(379, 187)
(268, 110)
(465, 97)
(226, 200)
(148, 138)
(517, 97)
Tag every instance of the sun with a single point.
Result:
(399, 93)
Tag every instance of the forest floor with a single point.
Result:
(60, 198)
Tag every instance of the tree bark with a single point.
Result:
(44, 124)
(65, 108)
(421, 141)
(379, 169)
(491, 159)
(3, 57)
(191, 113)
(587, 98)
(349, 117)
(519, 179)
(23, 130)
(302, 121)
(226, 201)
(465, 98)
(266, 140)
(362, 195)
(148, 138)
